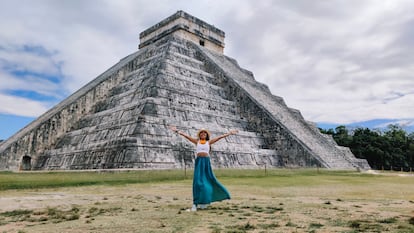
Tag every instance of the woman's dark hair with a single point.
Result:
(207, 137)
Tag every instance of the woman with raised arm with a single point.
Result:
(206, 188)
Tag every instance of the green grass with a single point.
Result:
(16, 213)
(282, 177)
(35, 180)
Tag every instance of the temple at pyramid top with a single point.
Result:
(187, 27)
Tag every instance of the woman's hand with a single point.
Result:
(181, 133)
(234, 131)
(173, 128)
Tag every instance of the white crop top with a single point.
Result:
(203, 147)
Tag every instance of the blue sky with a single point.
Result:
(340, 62)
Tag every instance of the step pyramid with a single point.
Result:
(179, 76)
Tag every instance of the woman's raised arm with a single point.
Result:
(188, 137)
(231, 132)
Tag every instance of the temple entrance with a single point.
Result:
(26, 163)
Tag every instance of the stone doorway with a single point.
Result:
(26, 164)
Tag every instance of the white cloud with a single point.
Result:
(31, 71)
(337, 66)
(21, 106)
(26, 58)
(336, 61)
(29, 83)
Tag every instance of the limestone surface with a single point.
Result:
(121, 119)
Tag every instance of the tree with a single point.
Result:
(367, 144)
(392, 148)
(342, 136)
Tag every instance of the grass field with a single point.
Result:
(278, 200)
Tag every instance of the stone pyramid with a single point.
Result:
(179, 76)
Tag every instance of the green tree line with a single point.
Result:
(390, 149)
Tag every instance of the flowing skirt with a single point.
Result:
(206, 187)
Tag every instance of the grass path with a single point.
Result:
(281, 201)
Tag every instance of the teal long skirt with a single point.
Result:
(206, 187)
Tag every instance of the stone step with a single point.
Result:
(298, 127)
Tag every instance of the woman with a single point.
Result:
(206, 188)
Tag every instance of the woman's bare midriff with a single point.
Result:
(202, 154)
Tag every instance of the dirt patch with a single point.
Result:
(161, 207)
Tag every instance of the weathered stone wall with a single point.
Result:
(325, 151)
(44, 133)
(277, 139)
(121, 119)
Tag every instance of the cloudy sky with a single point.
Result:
(340, 62)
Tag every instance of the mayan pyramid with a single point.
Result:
(179, 76)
